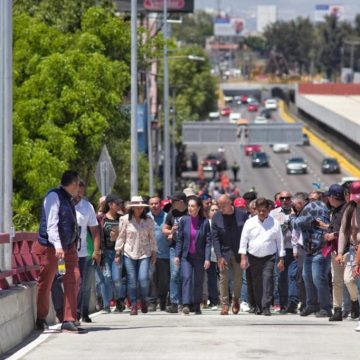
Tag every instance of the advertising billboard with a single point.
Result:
(322, 10)
(225, 26)
(173, 6)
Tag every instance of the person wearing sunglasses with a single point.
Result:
(287, 286)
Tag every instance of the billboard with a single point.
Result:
(322, 10)
(225, 26)
(173, 6)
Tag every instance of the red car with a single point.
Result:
(243, 99)
(225, 111)
(253, 107)
(251, 149)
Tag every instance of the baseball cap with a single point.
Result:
(178, 196)
(113, 198)
(164, 202)
(240, 202)
(336, 190)
(205, 196)
(355, 191)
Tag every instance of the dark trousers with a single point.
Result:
(212, 277)
(48, 268)
(288, 289)
(300, 279)
(250, 289)
(159, 280)
(262, 273)
(87, 274)
(192, 270)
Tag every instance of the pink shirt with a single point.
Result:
(193, 225)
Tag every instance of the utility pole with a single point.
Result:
(149, 133)
(6, 184)
(166, 109)
(134, 100)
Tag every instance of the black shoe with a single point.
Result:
(41, 325)
(323, 313)
(162, 305)
(258, 311)
(345, 314)
(354, 309)
(267, 312)
(172, 309)
(283, 311)
(337, 316)
(69, 326)
(192, 308)
(120, 306)
(86, 318)
(306, 312)
(198, 312)
(252, 310)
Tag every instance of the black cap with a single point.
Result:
(112, 198)
(337, 191)
(178, 196)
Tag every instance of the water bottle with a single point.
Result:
(61, 267)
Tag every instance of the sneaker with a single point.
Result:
(152, 307)
(244, 307)
(345, 314)
(306, 312)
(112, 303)
(283, 311)
(120, 306)
(172, 309)
(41, 325)
(106, 310)
(252, 310)
(180, 307)
(134, 310)
(358, 327)
(323, 313)
(186, 310)
(214, 307)
(276, 308)
(70, 327)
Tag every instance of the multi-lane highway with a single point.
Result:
(268, 181)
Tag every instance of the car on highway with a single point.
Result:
(296, 165)
(251, 149)
(253, 106)
(260, 159)
(266, 113)
(226, 111)
(330, 166)
(270, 104)
(234, 117)
(214, 160)
(214, 115)
(281, 148)
(305, 140)
(261, 120)
(244, 99)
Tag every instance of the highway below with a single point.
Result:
(268, 181)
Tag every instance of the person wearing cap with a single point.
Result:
(240, 203)
(261, 240)
(137, 243)
(111, 283)
(179, 209)
(287, 285)
(308, 218)
(227, 225)
(206, 203)
(349, 240)
(193, 246)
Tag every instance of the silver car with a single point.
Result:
(296, 165)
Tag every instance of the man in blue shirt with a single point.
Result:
(160, 272)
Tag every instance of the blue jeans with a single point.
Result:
(87, 273)
(316, 277)
(175, 280)
(244, 288)
(288, 290)
(112, 284)
(137, 273)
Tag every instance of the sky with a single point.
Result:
(287, 9)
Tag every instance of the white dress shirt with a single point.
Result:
(261, 239)
(52, 205)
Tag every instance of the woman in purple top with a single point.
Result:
(193, 247)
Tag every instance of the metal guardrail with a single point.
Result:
(24, 264)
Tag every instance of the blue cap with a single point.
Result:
(337, 191)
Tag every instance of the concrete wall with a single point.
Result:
(329, 89)
(337, 122)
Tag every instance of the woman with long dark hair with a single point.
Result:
(193, 247)
(137, 243)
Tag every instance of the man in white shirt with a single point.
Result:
(261, 239)
(88, 250)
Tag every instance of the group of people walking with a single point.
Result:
(199, 249)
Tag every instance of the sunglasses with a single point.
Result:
(285, 198)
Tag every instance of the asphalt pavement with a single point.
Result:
(158, 335)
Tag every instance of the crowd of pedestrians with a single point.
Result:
(203, 247)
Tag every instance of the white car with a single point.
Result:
(214, 115)
(261, 120)
(281, 148)
(271, 104)
(234, 117)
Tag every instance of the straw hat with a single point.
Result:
(137, 201)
